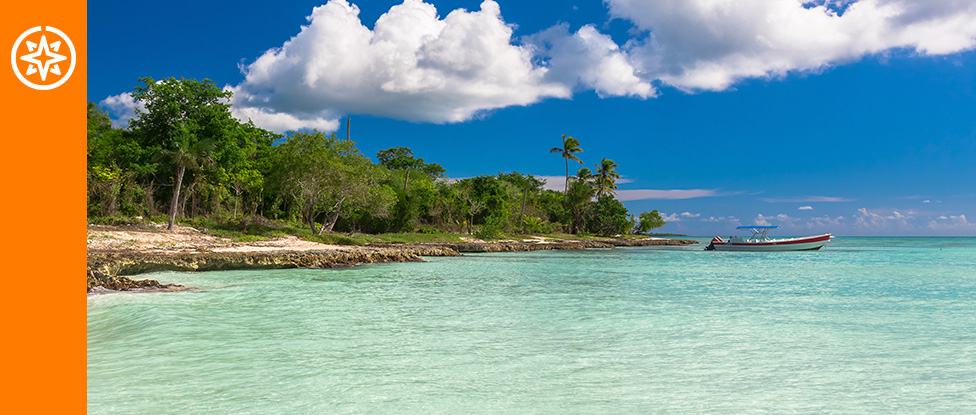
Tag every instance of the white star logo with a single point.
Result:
(48, 64)
(44, 58)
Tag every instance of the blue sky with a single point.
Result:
(850, 117)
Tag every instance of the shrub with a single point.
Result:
(491, 229)
(534, 225)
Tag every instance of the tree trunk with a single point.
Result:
(309, 213)
(406, 177)
(311, 225)
(521, 212)
(567, 177)
(187, 195)
(329, 224)
(236, 198)
(176, 195)
(150, 201)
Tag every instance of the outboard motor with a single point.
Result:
(711, 245)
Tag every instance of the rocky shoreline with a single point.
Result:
(110, 268)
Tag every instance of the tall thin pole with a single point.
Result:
(347, 128)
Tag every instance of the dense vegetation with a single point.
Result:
(184, 156)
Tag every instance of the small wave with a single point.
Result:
(99, 290)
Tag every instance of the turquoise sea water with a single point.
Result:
(866, 325)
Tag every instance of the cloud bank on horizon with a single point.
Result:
(414, 65)
(863, 221)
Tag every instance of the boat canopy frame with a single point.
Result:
(758, 232)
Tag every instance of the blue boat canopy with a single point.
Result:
(757, 227)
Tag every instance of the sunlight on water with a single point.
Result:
(867, 325)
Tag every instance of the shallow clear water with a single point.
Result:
(866, 325)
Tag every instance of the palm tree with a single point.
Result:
(584, 175)
(570, 146)
(187, 152)
(606, 177)
(577, 202)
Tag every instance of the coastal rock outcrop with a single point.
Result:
(120, 283)
(131, 263)
(107, 268)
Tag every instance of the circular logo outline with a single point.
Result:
(28, 32)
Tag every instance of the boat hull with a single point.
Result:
(808, 243)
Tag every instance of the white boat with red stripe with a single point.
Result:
(760, 242)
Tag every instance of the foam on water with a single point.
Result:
(867, 325)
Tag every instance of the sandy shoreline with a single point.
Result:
(117, 252)
(183, 239)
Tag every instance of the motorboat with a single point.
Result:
(761, 242)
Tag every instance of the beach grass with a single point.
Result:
(255, 229)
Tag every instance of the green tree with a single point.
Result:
(648, 221)
(584, 175)
(185, 151)
(551, 204)
(577, 201)
(117, 162)
(322, 175)
(570, 146)
(522, 181)
(104, 176)
(98, 121)
(488, 196)
(606, 177)
(401, 158)
(526, 184)
(414, 202)
(239, 180)
(184, 119)
(608, 217)
(239, 159)
(451, 206)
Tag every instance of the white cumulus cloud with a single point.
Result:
(677, 217)
(673, 217)
(122, 107)
(415, 65)
(412, 65)
(711, 44)
(591, 59)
